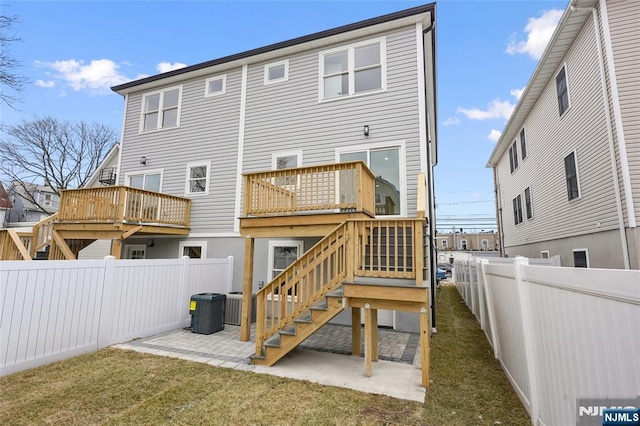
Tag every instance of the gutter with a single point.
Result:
(612, 152)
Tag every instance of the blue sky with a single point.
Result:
(73, 51)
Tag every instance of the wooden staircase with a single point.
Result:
(308, 294)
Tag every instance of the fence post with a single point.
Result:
(105, 318)
(230, 277)
(527, 332)
(183, 303)
(480, 290)
(472, 288)
(492, 317)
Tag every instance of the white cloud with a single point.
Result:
(539, 31)
(516, 93)
(97, 76)
(496, 109)
(451, 121)
(494, 135)
(46, 84)
(168, 66)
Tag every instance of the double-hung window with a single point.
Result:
(161, 110)
(517, 210)
(523, 144)
(197, 181)
(562, 90)
(527, 203)
(513, 157)
(571, 176)
(352, 70)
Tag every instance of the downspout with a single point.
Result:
(430, 192)
(612, 152)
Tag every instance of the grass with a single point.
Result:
(114, 386)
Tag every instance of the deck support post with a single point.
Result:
(116, 248)
(368, 341)
(425, 335)
(247, 288)
(374, 335)
(355, 330)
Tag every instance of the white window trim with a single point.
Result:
(275, 64)
(161, 92)
(276, 155)
(222, 77)
(127, 176)
(401, 145)
(128, 247)
(350, 67)
(187, 177)
(46, 202)
(201, 244)
(525, 143)
(543, 252)
(586, 250)
(575, 159)
(445, 244)
(482, 244)
(566, 79)
(464, 241)
(281, 243)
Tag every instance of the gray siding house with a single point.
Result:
(365, 91)
(31, 203)
(567, 166)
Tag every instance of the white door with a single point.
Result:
(385, 318)
(136, 251)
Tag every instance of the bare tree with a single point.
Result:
(53, 153)
(9, 79)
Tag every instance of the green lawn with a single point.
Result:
(114, 386)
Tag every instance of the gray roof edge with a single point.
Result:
(430, 7)
(503, 142)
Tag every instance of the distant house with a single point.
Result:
(31, 203)
(475, 241)
(5, 206)
(567, 166)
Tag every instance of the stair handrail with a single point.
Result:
(42, 233)
(11, 246)
(306, 280)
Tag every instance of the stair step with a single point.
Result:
(290, 331)
(320, 306)
(336, 293)
(273, 341)
(306, 318)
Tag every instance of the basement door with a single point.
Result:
(385, 318)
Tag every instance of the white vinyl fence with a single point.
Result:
(53, 310)
(560, 334)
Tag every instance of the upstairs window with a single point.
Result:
(563, 91)
(215, 86)
(48, 200)
(276, 72)
(352, 70)
(161, 110)
(517, 210)
(523, 144)
(513, 157)
(445, 244)
(485, 245)
(571, 176)
(527, 203)
(197, 182)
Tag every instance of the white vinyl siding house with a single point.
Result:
(568, 159)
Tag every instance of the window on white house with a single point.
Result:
(161, 110)
(517, 210)
(527, 203)
(523, 144)
(544, 254)
(580, 258)
(193, 249)
(463, 244)
(354, 69)
(276, 72)
(197, 181)
(48, 200)
(485, 245)
(215, 85)
(571, 176)
(513, 156)
(445, 244)
(563, 91)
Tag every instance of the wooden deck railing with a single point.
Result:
(122, 204)
(14, 245)
(356, 248)
(42, 234)
(334, 187)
